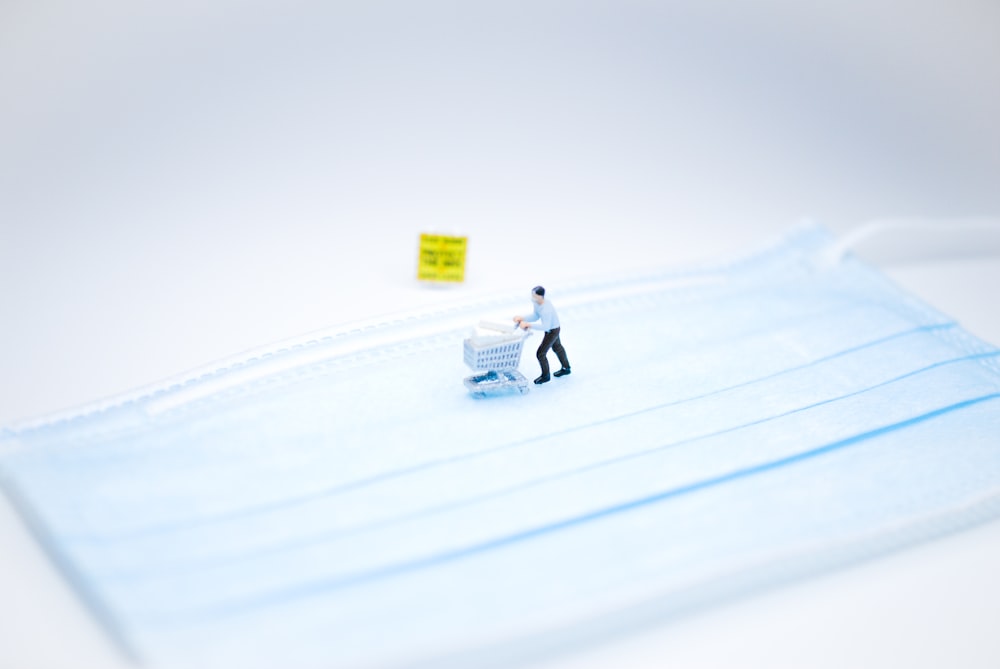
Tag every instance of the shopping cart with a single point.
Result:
(495, 350)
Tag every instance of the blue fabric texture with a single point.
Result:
(343, 501)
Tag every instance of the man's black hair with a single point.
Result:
(538, 290)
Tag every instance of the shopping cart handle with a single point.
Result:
(499, 327)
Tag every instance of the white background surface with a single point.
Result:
(180, 182)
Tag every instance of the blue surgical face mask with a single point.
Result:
(344, 501)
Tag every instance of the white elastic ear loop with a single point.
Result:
(893, 242)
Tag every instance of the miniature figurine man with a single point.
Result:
(548, 321)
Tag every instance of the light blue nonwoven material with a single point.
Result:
(344, 501)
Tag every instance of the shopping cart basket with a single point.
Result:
(495, 350)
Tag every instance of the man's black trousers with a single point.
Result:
(551, 340)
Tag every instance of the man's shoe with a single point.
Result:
(542, 379)
(562, 372)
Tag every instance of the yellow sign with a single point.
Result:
(442, 258)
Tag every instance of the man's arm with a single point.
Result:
(524, 321)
